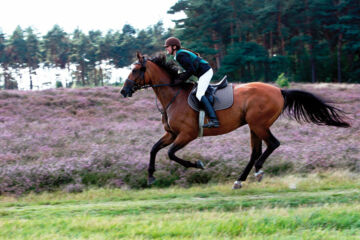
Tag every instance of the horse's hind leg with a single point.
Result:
(256, 146)
(179, 143)
(166, 140)
(272, 143)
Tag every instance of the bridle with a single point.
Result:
(143, 85)
(137, 86)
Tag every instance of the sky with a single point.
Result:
(86, 15)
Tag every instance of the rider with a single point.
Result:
(194, 65)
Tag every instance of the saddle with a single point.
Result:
(220, 96)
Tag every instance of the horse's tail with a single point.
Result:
(305, 106)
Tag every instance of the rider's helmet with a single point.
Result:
(173, 41)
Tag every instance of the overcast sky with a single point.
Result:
(86, 15)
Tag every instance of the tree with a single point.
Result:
(128, 30)
(57, 47)
(32, 53)
(2, 51)
(244, 62)
(18, 48)
(16, 55)
(106, 46)
(94, 57)
(206, 27)
(79, 47)
(125, 46)
(350, 19)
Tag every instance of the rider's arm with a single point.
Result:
(185, 61)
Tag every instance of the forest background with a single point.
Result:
(249, 40)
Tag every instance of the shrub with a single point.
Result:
(279, 168)
(282, 81)
(59, 84)
(74, 188)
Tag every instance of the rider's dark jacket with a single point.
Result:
(192, 64)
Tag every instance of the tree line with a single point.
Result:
(307, 40)
(249, 40)
(25, 49)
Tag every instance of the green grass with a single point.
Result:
(318, 206)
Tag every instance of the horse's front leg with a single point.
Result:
(181, 141)
(166, 140)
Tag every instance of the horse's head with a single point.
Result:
(136, 79)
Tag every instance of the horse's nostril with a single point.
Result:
(123, 93)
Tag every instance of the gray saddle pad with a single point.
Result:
(224, 98)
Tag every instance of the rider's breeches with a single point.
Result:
(204, 81)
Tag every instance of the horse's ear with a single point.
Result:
(139, 56)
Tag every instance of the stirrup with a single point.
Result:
(212, 124)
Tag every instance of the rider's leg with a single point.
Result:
(203, 84)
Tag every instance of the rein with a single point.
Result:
(171, 101)
(145, 86)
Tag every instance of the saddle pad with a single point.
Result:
(224, 98)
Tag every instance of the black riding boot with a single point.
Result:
(213, 121)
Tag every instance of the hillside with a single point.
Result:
(77, 137)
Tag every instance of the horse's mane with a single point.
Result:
(169, 66)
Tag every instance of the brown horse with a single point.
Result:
(256, 104)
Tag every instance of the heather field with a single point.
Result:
(72, 139)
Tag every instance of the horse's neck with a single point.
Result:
(158, 77)
(165, 94)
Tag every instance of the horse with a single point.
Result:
(256, 104)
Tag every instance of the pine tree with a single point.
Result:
(94, 57)
(2, 52)
(79, 47)
(18, 48)
(56, 47)
(350, 21)
(32, 53)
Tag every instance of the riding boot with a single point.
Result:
(213, 121)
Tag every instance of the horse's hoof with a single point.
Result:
(259, 175)
(237, 185)
(199, 164)
(151, 180)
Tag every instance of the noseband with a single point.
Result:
(137, 86)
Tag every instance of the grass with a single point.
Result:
(316, 206)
